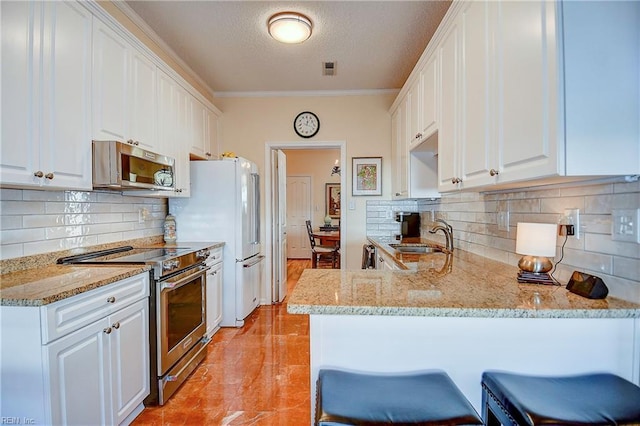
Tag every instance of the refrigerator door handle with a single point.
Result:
(253, 262)
(256, 208)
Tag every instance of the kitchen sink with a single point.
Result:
(413, 248)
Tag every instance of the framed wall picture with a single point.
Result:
(332, 200)
(367, 175)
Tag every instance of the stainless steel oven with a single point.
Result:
(181, 327)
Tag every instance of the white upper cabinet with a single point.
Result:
(46, 92)
(429, 97)
(124, 91)
(400, 188)
(530, 93)
(448, 138)
(477, 151)
(204, 137)
(527, 99)
(414, 122)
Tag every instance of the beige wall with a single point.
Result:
(362, 122)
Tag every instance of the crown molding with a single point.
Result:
(305, 93)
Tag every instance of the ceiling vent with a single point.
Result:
(329, 68)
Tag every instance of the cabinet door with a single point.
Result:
(527, 88)
(214, 298)
(401, 154)
(429, 101)
(214, 150)
(65, 156)
(182, 142)
(110, 80)
(414, 122)
(477, 155)
(20, 156)
(448, 51)
(142, 98)
(200, 129)
(129, 346)
(79, 376)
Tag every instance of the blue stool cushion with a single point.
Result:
(421, 398)
(584, 399)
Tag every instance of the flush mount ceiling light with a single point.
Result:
(290, 27)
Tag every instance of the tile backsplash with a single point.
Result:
(474, 219)
(34, 222)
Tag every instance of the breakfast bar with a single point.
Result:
(464, 314)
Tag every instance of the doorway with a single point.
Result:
(276, 257)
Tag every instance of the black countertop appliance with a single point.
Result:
(409, 224)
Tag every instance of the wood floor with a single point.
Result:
(254, 375)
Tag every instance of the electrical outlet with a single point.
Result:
(143, 214)
(624, 225)
(572, 217)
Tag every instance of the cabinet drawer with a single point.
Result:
(63, 317)
(215, 256)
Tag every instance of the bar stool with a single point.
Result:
(589, 399)
(419, 398)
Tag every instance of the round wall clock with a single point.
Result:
(306, 124)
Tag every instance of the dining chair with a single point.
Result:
(318, 251)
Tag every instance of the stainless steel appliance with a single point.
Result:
(409, 224)
(118, 165)
(225, 206)
(177, 320)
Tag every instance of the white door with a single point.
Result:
(283, 225)
(279, 215)
(298, 211)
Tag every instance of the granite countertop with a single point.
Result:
(38, 280)
(458, 284)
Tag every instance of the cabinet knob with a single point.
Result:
(111, 300)
(107, 330)
(116, 325)
(456, 180)
(136, 143)
(130, 141)
(38, 174)
(493, 172)
(208, 154)
(49, 176)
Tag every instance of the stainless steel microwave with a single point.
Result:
(117, 165)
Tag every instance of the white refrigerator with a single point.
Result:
(225, 206)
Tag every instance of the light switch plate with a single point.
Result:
(624, 225)
(503, 221)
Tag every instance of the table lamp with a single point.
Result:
(536, 242)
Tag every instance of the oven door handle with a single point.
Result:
(183, 281)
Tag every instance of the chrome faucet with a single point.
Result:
(447, 230)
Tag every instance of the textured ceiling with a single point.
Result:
(375, 44)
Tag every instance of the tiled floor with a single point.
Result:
(255, 375)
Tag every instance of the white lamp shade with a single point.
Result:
(290, 27)
(536, 239)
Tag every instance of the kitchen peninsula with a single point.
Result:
(464, 314)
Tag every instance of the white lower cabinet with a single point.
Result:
(384, 261)
(96, 372)
(214, 291)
